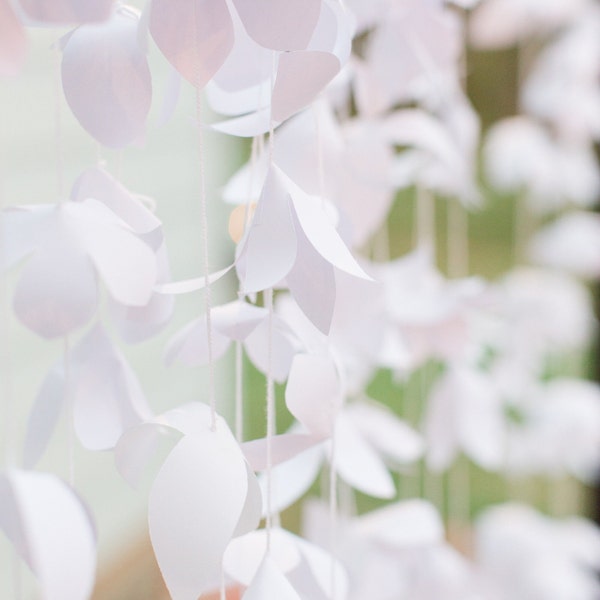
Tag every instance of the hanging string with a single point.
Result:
(270, 414)
(69, 412)
(239, 396)
(58, 130)
(425, 218)
(207, 289)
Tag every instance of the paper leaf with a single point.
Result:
(189, 346)
(57, 291)
(300, 78)
(283, 447)
(107, 81)
(67, 12)
(269, 251)
(196, 36)
(44, 415)
(358, 464)
(313, 393)
(13, 41)
(312, 283)
(51, 531)
(269, 582)
(198, 496)
(280, 24)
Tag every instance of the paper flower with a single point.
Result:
(66, 12)
(50, 529)
(13, 41)
(69, 245)
(186, 521)
(102, 392)
(106, 79)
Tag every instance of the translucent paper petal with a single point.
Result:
(358, 464)
(126, 264)
(237, 320)
(67, 12)
(106, 80)
(57, 291)
(251, 513)
(280, 24)
(44, 415)
(269, 582)
(189, 346)
(391, 436)
(191, 285)
(106, 395)
(196, 36)
(313, 393)
(283, 447)
(300, 77)
(291, 479)
(269, 251)
(13, 41)
(194, 508)
(51, 530)
(251, 125)
(312, 283)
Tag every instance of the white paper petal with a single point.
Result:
(194, 507)
(313, 393)
(386, 432)
(252, 511)
(280, 24)
(196, 36)
(44, 416)
(126, 264)
(237, 319)
(51, 530)
(191, 285)
(269, 582)
(67, 12)
(358, 464)
(189, 346)
(312, 283)
(57, 291)
(291, 479)
(13, 41)
(269, 250)
(283, 447)
(107, 81)
(284, 345)
(251, 125)
(300, 78)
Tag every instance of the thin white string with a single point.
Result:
(333, 516)
(208, 291)
(270, 415)
(69, 412)
(239, 396)
(58, 130)
(425, 218)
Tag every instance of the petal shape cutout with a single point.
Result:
(191, 285)
(183, 516)
(51, 530)
(44, 415)
(196, 36)
(251, 513)
(126, 264)
(283, 448)
(238, 319)
(313, 393)
(358, 464)
(189, 346)
(13, 41)
(280, 24)
(107, 81)
(57, 291)
(300, 78)
(269, 251)
(269, 582)
(312, 283)
(67, 12)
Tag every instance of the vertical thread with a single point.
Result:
(270, 415)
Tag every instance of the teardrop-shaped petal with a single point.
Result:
(269, 251)
(13, 41)
(67, 12)
(313, 393)
(194, 507)
(252, 510)
(237, 319)
(300, 78)
(196, 36)
(280, 24)
(269, 582)
(51, 530)
(107, 81)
